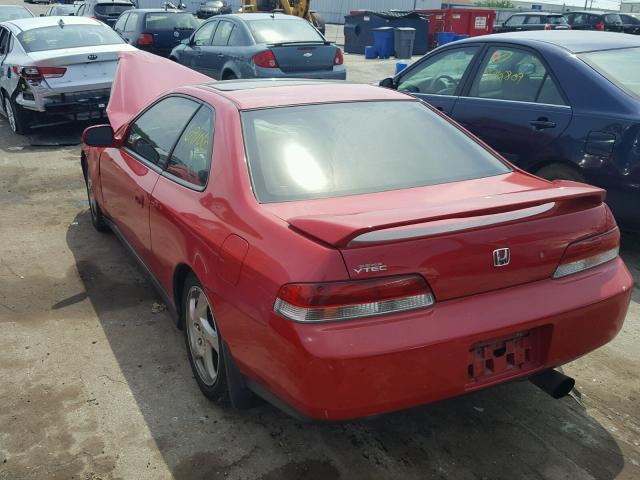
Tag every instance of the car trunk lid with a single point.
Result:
(90, 68)
(304, 57)
(458, 245)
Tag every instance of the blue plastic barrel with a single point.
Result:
(400, 66)
(444, 37)
(383, 41)
(459, 37)
(370, 52)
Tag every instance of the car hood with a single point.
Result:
(142, 77)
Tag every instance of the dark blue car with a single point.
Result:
(563, 105)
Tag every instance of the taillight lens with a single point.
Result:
(38, 73)
(600, 26)
(145, 39)
(339, 60)
(589, 253)
(547, 26)
(331, 301)
(265, 59)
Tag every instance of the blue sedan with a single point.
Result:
(260, 45)
(563, 105)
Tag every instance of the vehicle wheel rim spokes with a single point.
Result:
(203, 336)
(10, 116)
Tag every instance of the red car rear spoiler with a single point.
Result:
(142, 77)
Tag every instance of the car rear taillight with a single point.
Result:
(547, 26)
(600, 26)
(331, 301)
(145, 39)
(339, 60)
(589, 253)
(38, 73)
(265, 59)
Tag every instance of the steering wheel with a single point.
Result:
(444, 81)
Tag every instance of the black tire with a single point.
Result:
(558, 171)
(214, 388)
(97, 220)
(17, 116)
(318, 22)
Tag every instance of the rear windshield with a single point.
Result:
(169, 21)
(13, 13)
(69, 36)
(556, 20)
(112, 9)
(620, 66)
(331, 150)
(63, 9)
(283, 30)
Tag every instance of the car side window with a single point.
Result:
(533, 20)
(4, 42)
(515, 20)
(121, 22)
(132, 22)
(517, 75)
(235, 39)
(203, 35)
(191, 157)
(154, 133)
(223, 32)
(439, 75)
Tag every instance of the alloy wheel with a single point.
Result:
(202, 331)
(10, 115)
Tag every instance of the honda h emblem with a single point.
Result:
(501, 257)
(92, 57)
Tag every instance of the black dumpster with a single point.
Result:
(358, 28)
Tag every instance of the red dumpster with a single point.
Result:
(461, 21)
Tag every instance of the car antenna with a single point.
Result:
(61, 23)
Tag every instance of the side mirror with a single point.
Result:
(388, 83)
(42, 15)
(72, 14)
(98, 136)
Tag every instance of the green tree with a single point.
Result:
(495, 3)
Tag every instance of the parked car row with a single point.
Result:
(353, 251)
(576, 20)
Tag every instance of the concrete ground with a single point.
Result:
(95, 383)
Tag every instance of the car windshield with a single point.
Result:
(620, 66)
(277, 30)
(373, 147)
(69, 36)
(214, 4)
(13, 13)
(556, 20)
(112, 9)
(169, 21)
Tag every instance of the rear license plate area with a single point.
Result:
(508, 356)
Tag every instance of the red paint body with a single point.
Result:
(244, 252)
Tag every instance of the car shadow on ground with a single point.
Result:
(511, 431)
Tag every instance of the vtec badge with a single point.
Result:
(370, 267)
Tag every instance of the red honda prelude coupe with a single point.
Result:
(345, 250)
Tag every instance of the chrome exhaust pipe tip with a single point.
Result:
(554, 383)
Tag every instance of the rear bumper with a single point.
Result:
(71, 103)
(356, 369)
(337, 73)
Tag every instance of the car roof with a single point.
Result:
(254, 94)
(595, 12)
(575, 41)
(537, 13)
(159, 10)
(260, 16)
(38, 22)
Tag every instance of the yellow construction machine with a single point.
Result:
(299, 8)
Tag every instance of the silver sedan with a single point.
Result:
(61, 66)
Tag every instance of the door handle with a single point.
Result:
(542, 123)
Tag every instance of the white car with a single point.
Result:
(61, 66)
